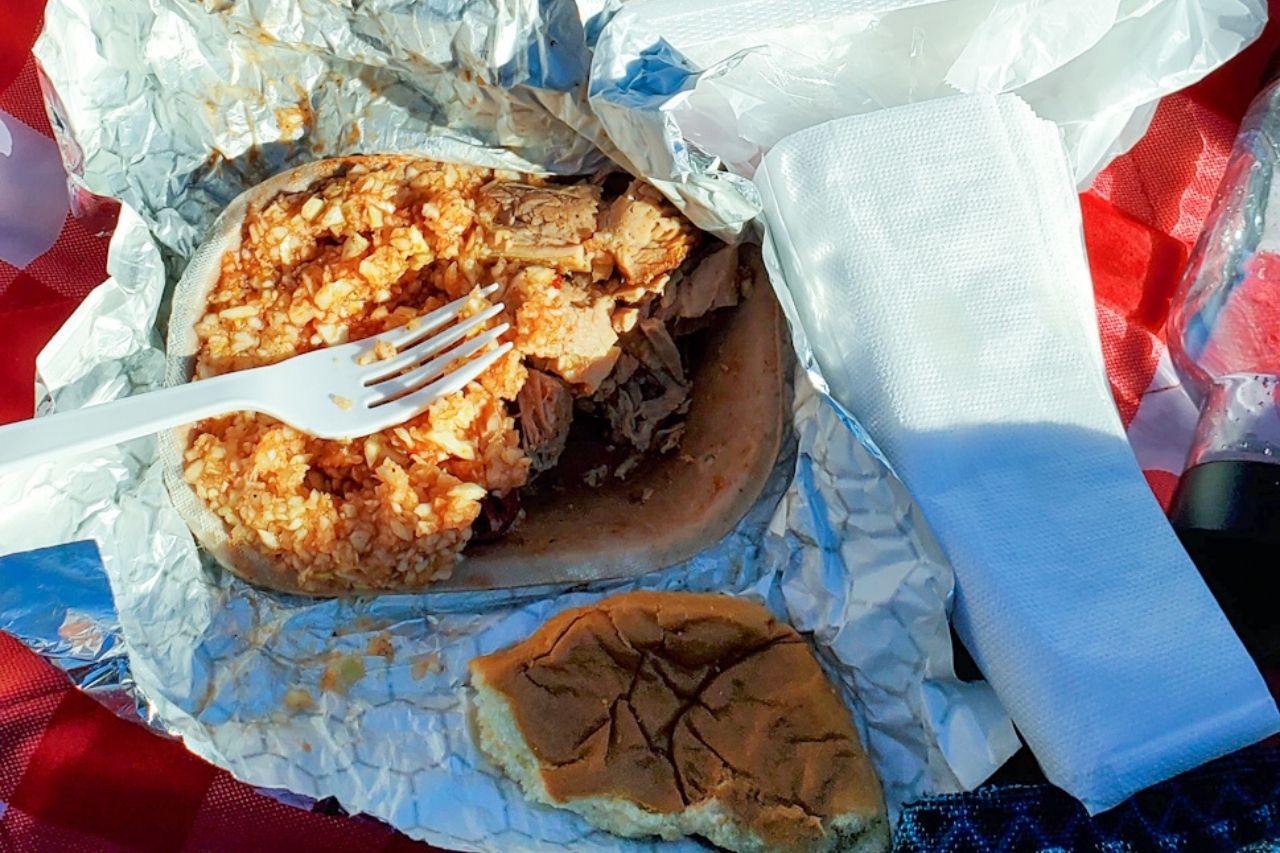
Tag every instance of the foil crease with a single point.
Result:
(174, 107)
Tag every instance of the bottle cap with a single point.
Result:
(1227, 514)
(1239, 497)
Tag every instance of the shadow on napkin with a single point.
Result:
(1113, 669)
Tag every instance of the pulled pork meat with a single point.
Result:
(647, 391)
(546, 225)
(647, 238)
(546, 411)
(565, 328)
(713, 284)
(606, 281)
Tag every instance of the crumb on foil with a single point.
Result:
(424, 665)
(380, 646)
(341, 672)
(298, 699)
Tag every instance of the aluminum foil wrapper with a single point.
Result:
(174, 107)
(57, 602)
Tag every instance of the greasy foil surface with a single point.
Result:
(174, 107)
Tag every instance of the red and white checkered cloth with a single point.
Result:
(74, 777)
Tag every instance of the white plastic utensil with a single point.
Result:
(338, 392)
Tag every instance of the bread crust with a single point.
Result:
(674, 714)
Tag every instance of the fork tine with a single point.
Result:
(400, 410)
(403, 336)
(382, 370)
(407, 383)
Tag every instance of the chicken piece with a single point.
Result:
(712, 284)
(647, 389)
(625, 319)
(546, 412)
(566, 329)
(547, 225)
(648, 237)
(585, 372)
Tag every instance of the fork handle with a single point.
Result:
(69, 433)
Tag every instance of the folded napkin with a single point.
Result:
(934, 258)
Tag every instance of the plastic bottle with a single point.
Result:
(1224, 337)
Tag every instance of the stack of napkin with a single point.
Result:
(934, 261)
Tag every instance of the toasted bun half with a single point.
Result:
(672, 714)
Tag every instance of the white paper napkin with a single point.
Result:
(934, 256)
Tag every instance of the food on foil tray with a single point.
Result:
(602, 282)
(669, 714)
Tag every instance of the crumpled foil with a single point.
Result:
(174, 108)
(692, 94)
(58, 603)
(227, 93)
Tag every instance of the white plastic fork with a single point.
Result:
(338, 392)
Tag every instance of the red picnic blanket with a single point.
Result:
(75, 777)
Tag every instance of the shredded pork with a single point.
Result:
(546, 413)
(648, 389)
(712, 285)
